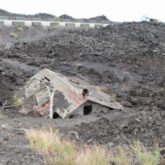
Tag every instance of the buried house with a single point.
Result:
(72, 96)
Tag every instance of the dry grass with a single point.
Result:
(58, 151)
(95, 155)
(44, 141)
(64, 154)
(48, 143)
(122, 156)
(144, 156)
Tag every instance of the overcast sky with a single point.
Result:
(115, 10)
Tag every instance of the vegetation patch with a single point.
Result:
(59, 151)
(16, 101)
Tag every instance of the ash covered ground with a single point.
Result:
(126, 59)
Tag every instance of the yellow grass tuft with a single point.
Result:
(43, 141)
(48, 143)
(121, 156)
(95, 155)
(59, 151)
(144, 156)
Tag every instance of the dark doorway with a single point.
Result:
(87, 109)
(55, 115)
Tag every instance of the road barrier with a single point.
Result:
(53, 24)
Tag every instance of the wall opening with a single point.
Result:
(87, 109)
(56, 115)
(110, 108)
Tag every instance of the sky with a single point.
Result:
(115, 10)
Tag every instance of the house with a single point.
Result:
(72, 96)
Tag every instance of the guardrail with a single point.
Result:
(52, 24)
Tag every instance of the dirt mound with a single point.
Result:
(147, 127)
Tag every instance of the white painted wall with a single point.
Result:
(8, 22)
(91, 25)
(63, 24)
(77, 25)
(28, 23)
(45, 24)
